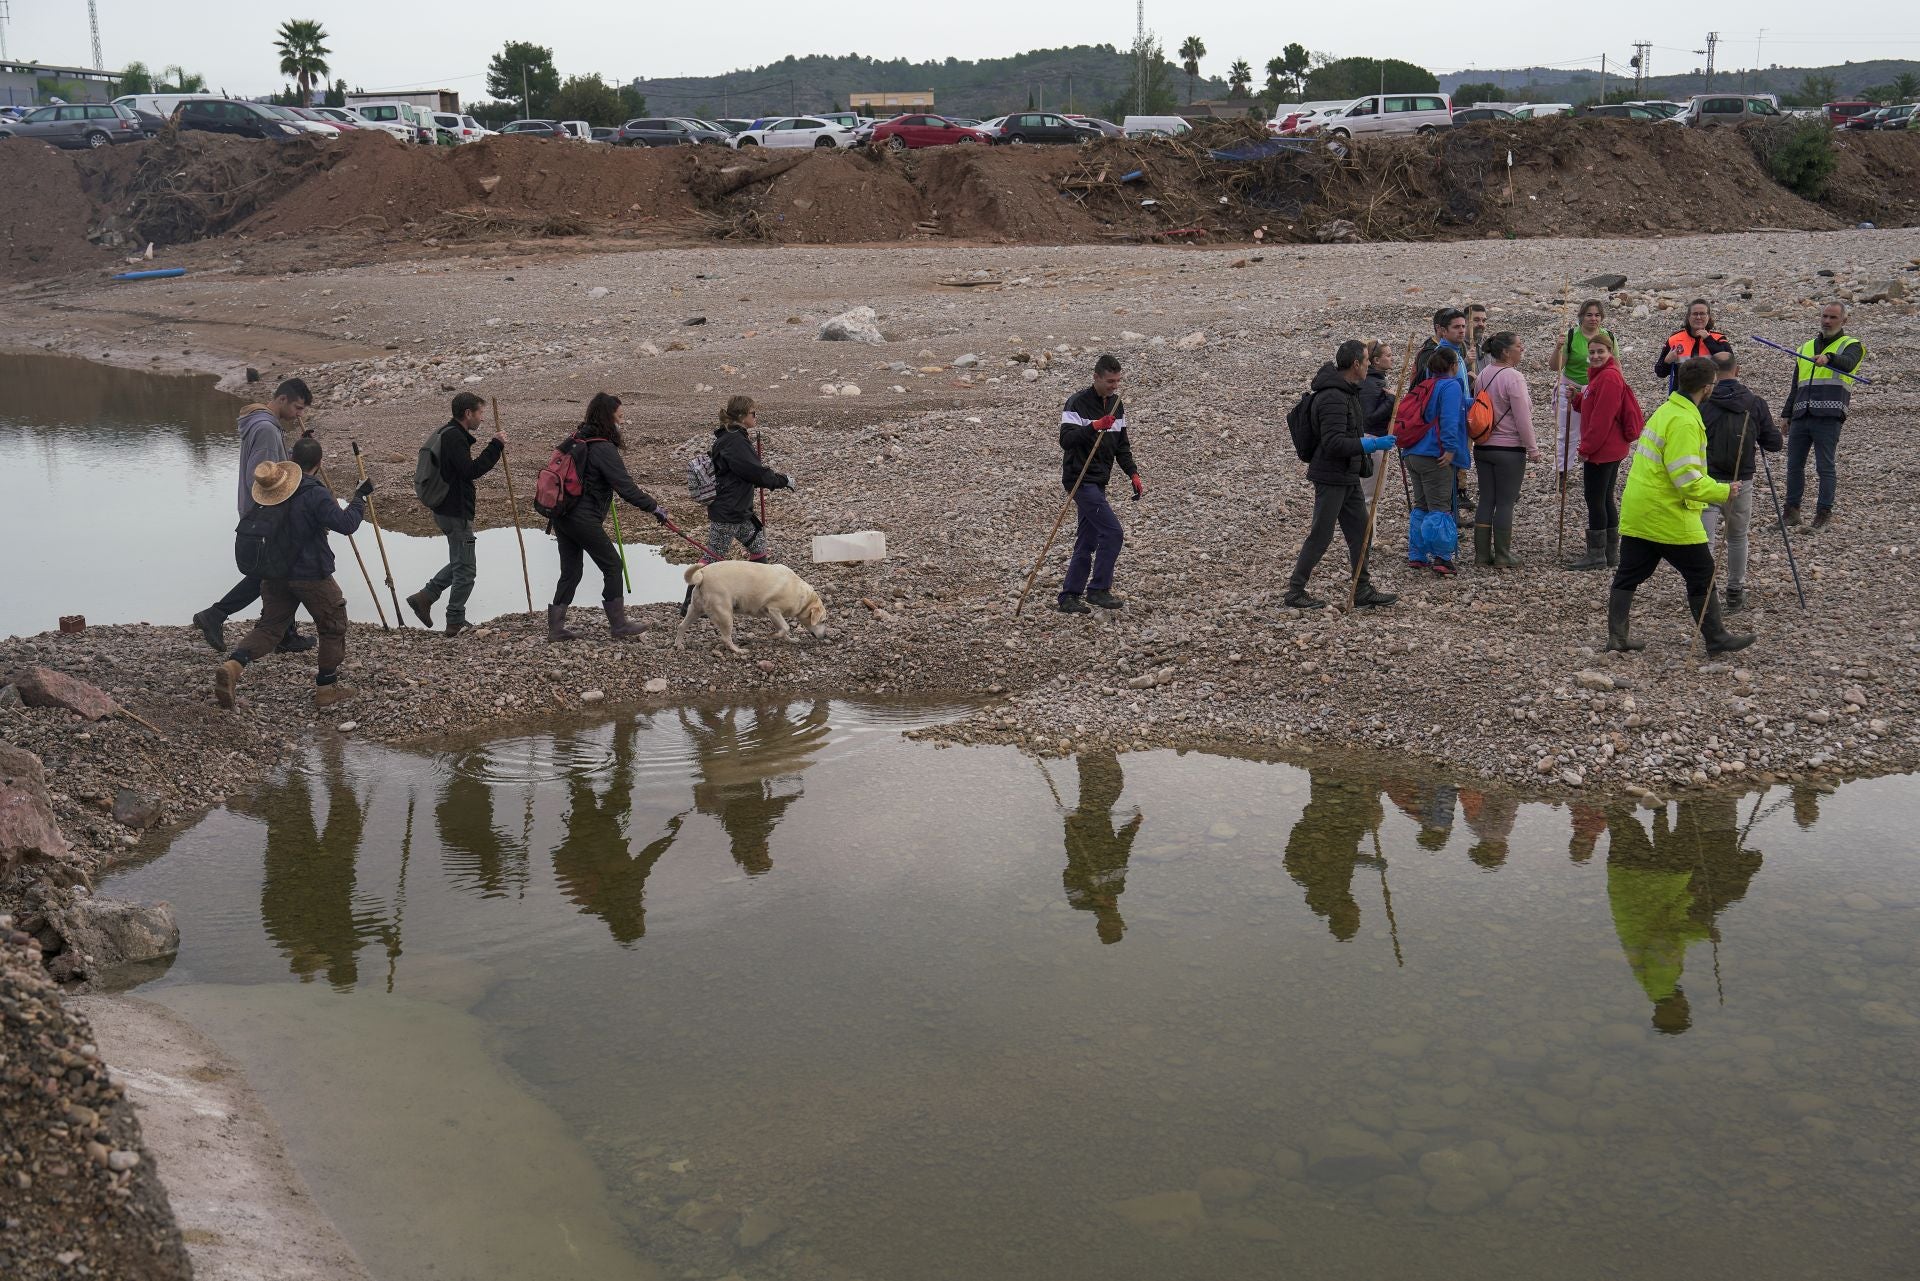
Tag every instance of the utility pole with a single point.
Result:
(1642, 52)
(1140, 57)
(1713, 42)
(526, 102)
(6, 16)
(1603, 79)
(93, 17)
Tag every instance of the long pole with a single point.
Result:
(1700, 622)
(1379, 479)
(513, 509)
(760, 458)
(613, 505)
(386, 566)
(1780, 518)
(1565, 461)
(1058, 521)
(359, 560)
(1386, 896)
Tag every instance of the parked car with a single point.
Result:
(1541, 110)
(9, 111)
(318, 128)
(314, 116)
(77, 125)
(1891, 117)
(1661, 106)
(665, 132)
(1154, 126)
(795, 131)
(1107, 128)
(578, 130)
(1468, 115)
(462, 128)
(719, 132)
(1725, 109)
(1043, 127)
(1307, 117)
(903, 132)
(1622, 111)
(239, 119)
(734, 125)
(849, 120)
(159, 104)
(1392, 113)
(401, 119)
(535, 129)
(1838, 113)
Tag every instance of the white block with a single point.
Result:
(862, 544)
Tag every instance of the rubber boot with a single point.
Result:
(212, 624)
(617, 622)
(1619, 607)
(422, 606)
(1503, 557)
(1719, 639)
(1791, 516)
(225, 680)
(1613, 547)
(1596, 553)
(1483, 545)
(557, 624)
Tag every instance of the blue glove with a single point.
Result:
(1374, 444)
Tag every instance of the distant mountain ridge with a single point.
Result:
(1521, 83)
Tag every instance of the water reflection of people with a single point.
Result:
(307, 890)
(1490, 817)
(741, 771)
(1589, 822)
(1324, 845)
(594, 864)
(1430, 805)
(1667, 892)
(1097, 852)
(477, 855)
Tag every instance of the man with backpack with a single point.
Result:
(1093, 437)
(263, 439)
(1328, 430)
(443, 477)
(283, 541)
(1737, 422)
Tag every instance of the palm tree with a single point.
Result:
(1238, 78)
(177, 79)
(303, 53)
(1191, 51)
(1906, 87)
(1276, 77)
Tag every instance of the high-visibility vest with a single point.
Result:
(1667, 482)
(1821, 391)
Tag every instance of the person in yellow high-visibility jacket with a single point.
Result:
(1667, 489)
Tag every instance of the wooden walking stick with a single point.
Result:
(1379, 479)
(1053, 533)
(513, 509)
(1564, 463)
(386, 566)
(359, 560)
(1727, 520)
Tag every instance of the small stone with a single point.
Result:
(131, 809)
(1345, 1152)
(598, 291)
(1193, 341)
(593, 695)
(1166, 1216)
(347, 727)
(1593, 680)
(1456, 1194)
(757, 1227)
(1226, 1185)
(1861, 902)
(1854, 696)
(658, 685)
(1398, 1194)
(120, 1162)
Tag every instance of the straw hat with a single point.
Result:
(274, 483)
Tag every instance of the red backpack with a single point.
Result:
(1410, 425)
(557, 488)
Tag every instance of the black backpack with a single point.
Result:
(1306, 438)
(263, 545)
(429, 483)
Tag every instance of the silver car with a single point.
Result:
(76, 125)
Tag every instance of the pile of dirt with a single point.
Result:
(836, 197)
(373, 182)
(44, 230)
(1876, 178)
(1003, 193)
(185, 186)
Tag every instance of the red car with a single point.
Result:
(903, 132)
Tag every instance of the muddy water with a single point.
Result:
(123, 484)
(947, 1013)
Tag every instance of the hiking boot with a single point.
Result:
(1371, 597)
(1483, 545)
(1503, 557)
(1444, 568)
(1719, 639)
(294, 643)
(456, 625)
(1072, 605)
(212, 625)
(422, 606)
(327, 695)
(1595, 556)
(1736, 598)
(1619, 606)
(1791, 516)
(1297, 598)
(1104, 599)
(1822, 519)
(225, 680)
(1613, 547)
(557, 624)
(617, 623)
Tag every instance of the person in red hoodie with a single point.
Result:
(1610, 421)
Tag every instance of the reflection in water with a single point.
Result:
(476, 854)
(1667, 892)
(744, 771)
(1428, 804)
(1490, 818)
(1325, 844)
(1096, 871)
(123, 406)
(594, 864)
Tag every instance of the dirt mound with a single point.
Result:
(1002, 193)
(830, 197)
(185, 186)
(44, 231)
(1876, 179)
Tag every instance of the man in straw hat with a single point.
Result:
(297, 567)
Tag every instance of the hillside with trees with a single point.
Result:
(1885, 80)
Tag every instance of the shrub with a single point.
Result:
(1800, 157)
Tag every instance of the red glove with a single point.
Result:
(1139, 486)
(1103, 424)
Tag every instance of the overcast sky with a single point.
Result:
(388, 46)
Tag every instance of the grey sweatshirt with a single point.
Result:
(261, 441)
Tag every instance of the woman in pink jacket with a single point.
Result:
(1502, 458)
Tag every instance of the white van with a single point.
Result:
(401, 119)
(1391, 113)
(159, 104)
(1155, 126)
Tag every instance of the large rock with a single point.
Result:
(44, 687)
(101, 933)
(27, 827)
(857, 325)
(1347, 1153)
(1168, 1216)
(1607, 282)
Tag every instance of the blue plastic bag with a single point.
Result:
(1439, 535)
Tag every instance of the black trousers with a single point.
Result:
(1332, 504)
(580, 539)
(1639, 557)
(1603, 504)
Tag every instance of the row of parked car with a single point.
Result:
(845, 129)
(136, 117)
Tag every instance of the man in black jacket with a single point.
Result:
(1093, 437)
(459, 467)
(1337, 467)
(1730, 412)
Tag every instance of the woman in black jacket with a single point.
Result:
(1376, 402)
(737, 473)
(596, 445)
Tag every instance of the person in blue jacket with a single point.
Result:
(1432, 464)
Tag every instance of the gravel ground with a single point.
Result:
(949, 448)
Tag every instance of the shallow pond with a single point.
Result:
(772, 990)
(122, 484)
